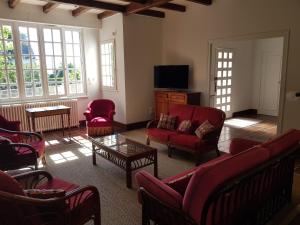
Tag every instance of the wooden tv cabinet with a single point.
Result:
(164, 98)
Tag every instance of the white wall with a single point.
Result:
(274, 45)
(112, 28)
(89, 24)
(186, 37)
(242, 73)
(143, 44)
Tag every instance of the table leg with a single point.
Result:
(62, 124)
(69, 123)
(33, 123)
(155, 165)
(94, 154)
(128, 174)
(28, 121)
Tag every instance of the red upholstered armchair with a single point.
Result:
(99, 116)
(73, 205)
(9, 125)
(20, 149)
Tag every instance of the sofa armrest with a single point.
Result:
(180, 181)
(151, 124)
(213, 136)
(158, 189)
(238, 145)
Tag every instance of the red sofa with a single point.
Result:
(247, 186)
(189, 142)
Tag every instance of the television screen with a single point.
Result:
(171, 76)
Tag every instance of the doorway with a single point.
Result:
(246, 74)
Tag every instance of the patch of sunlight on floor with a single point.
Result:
(240, 123)
(63, 157)
(52, 142)
(85, 151)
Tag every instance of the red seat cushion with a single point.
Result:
(160, 134)
(238, 145)
(99, 122)
(9, 184)
(158, 189)
(186, 140)
(39, 146)
(180, 181)
(13, 137)
(56, 183)
(206, 180)
(283, 142)
(182, 112)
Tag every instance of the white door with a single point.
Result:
(221, 79)
(270, 84)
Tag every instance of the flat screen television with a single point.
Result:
(171, 76)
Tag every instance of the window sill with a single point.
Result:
(24, 101)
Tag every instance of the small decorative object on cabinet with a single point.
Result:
(164, 98)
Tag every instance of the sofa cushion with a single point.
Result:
(205, 128)
(185, 126)
(9, 184)
(99, 122)
(160, 134)
(166, 122)
(180, 181)
(182, 112)
(214, 116)
(238, 145)
(186, 140)
(57, 183)
(206, 180)
(283, 142)
(159, 189)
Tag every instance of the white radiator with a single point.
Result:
(17, 112)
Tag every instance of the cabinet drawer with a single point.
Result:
(161, 95)
(178, 98)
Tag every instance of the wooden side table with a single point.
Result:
(33, 113)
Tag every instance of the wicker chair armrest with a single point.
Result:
(152, 205)
(23, 133)
(78, 195)
(31, 179)
(152, 123)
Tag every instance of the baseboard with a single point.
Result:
(131, 126)
(247, 112)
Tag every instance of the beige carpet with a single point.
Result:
(72, 161)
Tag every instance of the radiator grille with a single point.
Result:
(17, 112)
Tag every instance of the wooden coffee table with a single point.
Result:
(127, 154)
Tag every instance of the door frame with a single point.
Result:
(285, 34)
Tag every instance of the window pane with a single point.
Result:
(34, 48)
(33, 34)
(7, 32)
(47, 35)
(57, 49)
(28, 90)
(35, 61)
(76, 50)
(27, 76)
(38, 90)
(10, 62)
(56, 35)
(49, 62)
(48, 48)
(68, 36)
(69, 49)
(76, 37)
(58, 62)
(23, 33)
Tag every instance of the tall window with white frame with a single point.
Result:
(8, 73)
(54, 61)
(108, 64)
(29, 44)
(73, 61)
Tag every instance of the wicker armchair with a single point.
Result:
(78, 206)
(21, 149)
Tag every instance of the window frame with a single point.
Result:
(43, 69)
(114, 69)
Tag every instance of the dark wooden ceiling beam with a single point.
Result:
(203, 2)
(80, 10)
(105, 14)
(173, 6)
(137, 7)
(49, 6)
(12, 3)
(153, 13)
(94, 4)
